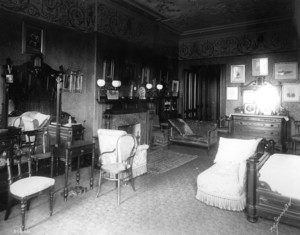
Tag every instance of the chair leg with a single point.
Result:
(8, 206)
(36, 166)
(119, 190)
(132, 183)
(132, 180)
(51, 200)
(99, 187)
(23, 206)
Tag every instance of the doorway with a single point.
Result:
(204, 92)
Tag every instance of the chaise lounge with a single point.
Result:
(193, 132)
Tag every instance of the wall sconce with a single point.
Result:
(149, 86)
(101, 82)
(159, 87)
(116, 83)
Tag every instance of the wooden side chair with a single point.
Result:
(46, 153)
(23, 186)
(296, 137)
(122, 168)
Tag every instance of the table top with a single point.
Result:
(74, 145)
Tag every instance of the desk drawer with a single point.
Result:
(82, 150)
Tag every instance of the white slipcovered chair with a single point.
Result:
(107, 143)
(223, 185)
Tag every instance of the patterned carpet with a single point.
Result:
(161, 160)
(162, 204)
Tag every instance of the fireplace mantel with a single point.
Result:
(115, 119)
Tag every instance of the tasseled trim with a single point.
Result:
(139, 170)
(232, 204)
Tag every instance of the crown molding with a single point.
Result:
(234, 27)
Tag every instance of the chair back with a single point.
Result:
(126, 147)
(28, 141)
(108, 139)
(15, 158)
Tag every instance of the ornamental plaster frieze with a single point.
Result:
(115, 23)
(76, 14)
(245, 44)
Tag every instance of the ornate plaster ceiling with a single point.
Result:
(185, 16)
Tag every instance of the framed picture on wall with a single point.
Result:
(260, 67)
(232, 93)
(286, 71)
(291, 92)
(33, 41)
(237, 74)
(249, 108)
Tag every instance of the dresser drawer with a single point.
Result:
(257, 124)
(257, 119)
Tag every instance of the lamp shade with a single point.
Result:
(159, 86)
(148, 86)
(116, 83)
(100, 82)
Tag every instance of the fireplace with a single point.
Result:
(134, 129)
(138, 123)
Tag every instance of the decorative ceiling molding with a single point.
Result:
(76, 14)
(186, 16)
(117, 24)
(245, 44)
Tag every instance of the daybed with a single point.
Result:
(273, 183)
(193, 132)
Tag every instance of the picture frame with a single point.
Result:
(112, 94)
(232, 93)
(286, 71)
(33, 39)
(260, 67)
(249, 108)
(237, 74)
(291, 92)
(175, 87)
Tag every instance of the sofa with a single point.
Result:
(193, 132)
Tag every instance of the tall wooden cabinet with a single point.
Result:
(264, 126)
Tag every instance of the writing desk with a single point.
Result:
(69, 150)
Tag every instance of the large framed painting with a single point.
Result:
(33, 39)
(286, 71)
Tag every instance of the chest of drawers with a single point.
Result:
(254, 126)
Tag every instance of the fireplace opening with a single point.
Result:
(134, 129)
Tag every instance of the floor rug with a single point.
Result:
(161, 160)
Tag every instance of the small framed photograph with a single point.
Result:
(286, 71)
(232, 93)
(33, 39)
(291, 92)
(249, 108)
(260, 67)
(112, 94)
(237, 74)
